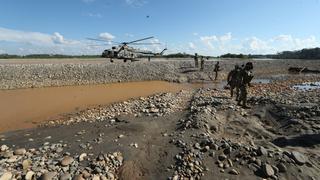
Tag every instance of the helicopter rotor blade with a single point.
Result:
(94, 39)
(97, 45)
(145, 43)
(139, 40)
(103, 40)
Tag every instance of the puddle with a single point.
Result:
(261, 81)
(24, 108)
(307, 86)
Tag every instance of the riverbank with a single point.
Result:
(99, 71)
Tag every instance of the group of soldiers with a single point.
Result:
(196, 61)
(238, 79)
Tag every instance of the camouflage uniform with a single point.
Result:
(216, 69)
(196, 64)
(245, 79)
(202, 63)
(234, 81)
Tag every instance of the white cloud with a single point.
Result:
(283, 37)
(192, 46)
(195, 34)
(208, 40)
(58, 38)
(10, 35)
(35, 38)
(23, 42)
(2, 51)
(106, 36)
(256, 44)
(226, 37)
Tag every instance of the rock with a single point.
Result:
(20, 151)
(275, 169)
(228, 150)
(65, 176)
(234, 172)
(262, 151)
(48, 176)
(6, 176)
(134, 145)
(82, 156)
(212, 154)
(26, 164)
(154, 110)
(267, 170)
(230, 162)
(110, 176)
(222, 157)
(85, 174)
(120, 136)
(12, 159)
(258, 162)
(78, 177)
(96, 177)
(102, 177)
(4, 148)
(30, 176)
(176, 177)
(66, 161)
(59, 150)
(282, 168)
(197, 146)
(299, 158)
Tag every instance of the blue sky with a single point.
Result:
(210, 27)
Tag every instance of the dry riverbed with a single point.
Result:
(197, 133)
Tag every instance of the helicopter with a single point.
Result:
(127, 53)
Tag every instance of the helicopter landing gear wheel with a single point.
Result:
(124, 60)
(111, 60)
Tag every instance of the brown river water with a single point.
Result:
(25, 108)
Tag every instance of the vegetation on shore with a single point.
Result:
(313, 53)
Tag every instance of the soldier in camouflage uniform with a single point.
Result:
(245, 79)
(216, 70)
(201, 63)
(234, 81)
(196, 61)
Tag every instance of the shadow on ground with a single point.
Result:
(306, 140)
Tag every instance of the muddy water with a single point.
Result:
(25, 108)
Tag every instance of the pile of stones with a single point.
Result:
(51, 162)
(155, 105)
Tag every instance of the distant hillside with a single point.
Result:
(313, 53)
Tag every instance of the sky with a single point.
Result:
(208, 27)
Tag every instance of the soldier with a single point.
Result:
(233, 81)
(196, 60)
(202, 63)
(216, 69)
(245, 79)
